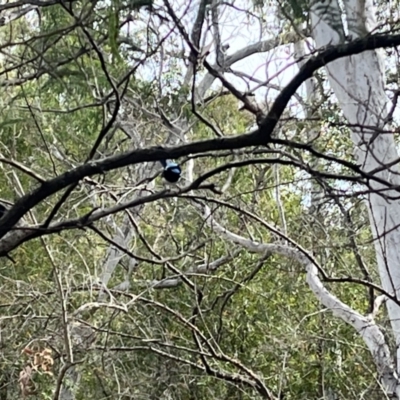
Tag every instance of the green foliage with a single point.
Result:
(295, 9)
(151, 343)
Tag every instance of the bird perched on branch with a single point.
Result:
(172, 171)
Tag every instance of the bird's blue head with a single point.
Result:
(172, 171)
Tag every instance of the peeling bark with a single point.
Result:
(358, 83)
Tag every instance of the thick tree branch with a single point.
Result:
(365, 326)
(261, 136)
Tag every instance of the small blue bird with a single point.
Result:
(172, 171)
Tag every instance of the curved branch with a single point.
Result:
(365, 326)
(262, 46)
(259, 137)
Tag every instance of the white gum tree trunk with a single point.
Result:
(358, 83)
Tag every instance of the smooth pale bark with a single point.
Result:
(364, 325)
(358, 82)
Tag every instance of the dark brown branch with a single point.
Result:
(261, 136)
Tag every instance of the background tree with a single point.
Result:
(117, 285)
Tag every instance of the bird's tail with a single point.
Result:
(163, 163)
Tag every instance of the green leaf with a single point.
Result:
(113, 32)
(11, 122)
